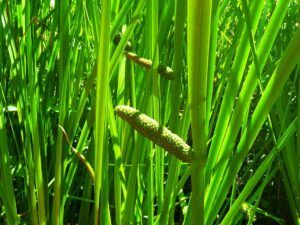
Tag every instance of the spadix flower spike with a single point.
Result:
(160, 135)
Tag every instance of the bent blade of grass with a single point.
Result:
(80, 146)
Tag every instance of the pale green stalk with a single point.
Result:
(101, 100)
(198, 37)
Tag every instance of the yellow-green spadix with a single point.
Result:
(160, 135)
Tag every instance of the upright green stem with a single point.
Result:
(101, 99)
(63, 88)
(198, 28)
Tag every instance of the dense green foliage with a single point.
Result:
(222, 76)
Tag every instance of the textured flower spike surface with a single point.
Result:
(160, 135)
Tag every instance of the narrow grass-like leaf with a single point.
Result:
(63, 87)
(235, 123)
(6, 180)
(288, 61)
(259, 173)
